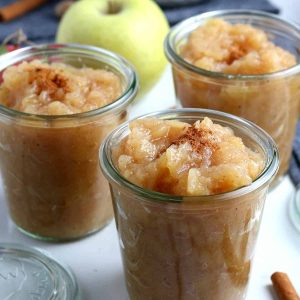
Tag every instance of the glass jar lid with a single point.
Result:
(28, 273)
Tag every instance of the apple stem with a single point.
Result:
(114, 7)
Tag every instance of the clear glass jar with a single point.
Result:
(177, 247)
(269, 100)
(294, 208)
(50, 167)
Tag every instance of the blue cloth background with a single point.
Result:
(176, 14)
(40, 26)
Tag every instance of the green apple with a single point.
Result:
(134, 29)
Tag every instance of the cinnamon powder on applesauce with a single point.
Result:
(198, 138)
(37, 87)
(177, 158)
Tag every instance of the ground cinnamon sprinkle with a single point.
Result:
(50, 81)
(236, 52)
(198, 138)
(55, 88)
(177, 158)
(220, 46)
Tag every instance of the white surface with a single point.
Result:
(289, 9)
(96, 260)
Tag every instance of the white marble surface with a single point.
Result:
(96, 260)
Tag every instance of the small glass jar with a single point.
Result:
(49, 163)
(269, 100)
(176, 247)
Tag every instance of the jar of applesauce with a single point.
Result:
(242, 62)
(58, 102)
(186, 209)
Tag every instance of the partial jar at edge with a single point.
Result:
(49, 164)
(177, 247)
(269, 100)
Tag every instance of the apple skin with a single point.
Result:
(137, 33)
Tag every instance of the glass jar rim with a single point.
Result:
(64, 282)
(22, 54)
(113, 175)
(173, 57)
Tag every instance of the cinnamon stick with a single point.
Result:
(283, 287)
(18, 8)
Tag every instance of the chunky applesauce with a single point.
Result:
(57, 89)
(198, 247)
(50, 167)
(177, 158)
(222, 52)
(234, 49)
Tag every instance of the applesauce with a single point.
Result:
(41, 88)
(58, 103)
(188, 189)
(177, 158)
(244, 63)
